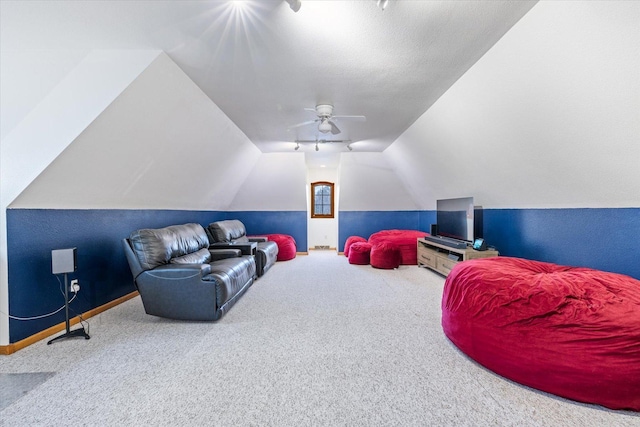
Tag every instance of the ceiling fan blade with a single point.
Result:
(308, 122)
(352, 118)
(334, 128)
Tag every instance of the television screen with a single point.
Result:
(455, 218)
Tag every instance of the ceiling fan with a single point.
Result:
(326, 119)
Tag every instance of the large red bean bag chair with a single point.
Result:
(405, 240)
(385, 255)
(350, 241)
(573, 332)
(286, 246)
(359, 253)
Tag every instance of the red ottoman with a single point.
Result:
(405, 240)
(350, 241)
(286, 246)
(359, 253)
(385, 255)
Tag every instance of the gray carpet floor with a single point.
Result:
(315, 342)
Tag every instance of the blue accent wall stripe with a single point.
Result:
(102, 268)
(601, 238)
(293, 223)
(365, 223)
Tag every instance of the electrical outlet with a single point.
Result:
(75, 286)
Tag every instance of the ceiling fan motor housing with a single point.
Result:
(324, 110)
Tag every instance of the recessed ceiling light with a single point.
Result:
(239, 4)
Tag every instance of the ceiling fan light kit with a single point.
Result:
(325, 119)
(325, 126)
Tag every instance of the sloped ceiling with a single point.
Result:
(262, 64)
(181, 153)
(547, 118)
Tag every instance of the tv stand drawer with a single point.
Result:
(442, 258)
(426, 257)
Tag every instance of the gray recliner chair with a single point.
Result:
(179, 277)
(232, 234)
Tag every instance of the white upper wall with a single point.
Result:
(161, 144)
(369, 183)
(24, 81)
(547, 118)
(36, 137)
(276, 183)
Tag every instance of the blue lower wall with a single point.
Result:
(293, 223)
(605, 239)
(102, 269)
(598, 238)
(365, 223)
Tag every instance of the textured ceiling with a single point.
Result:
(262, 64)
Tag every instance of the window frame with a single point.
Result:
(313, 199)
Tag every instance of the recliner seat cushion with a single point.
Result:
(232, 274)
(155, 247)
(203, 256)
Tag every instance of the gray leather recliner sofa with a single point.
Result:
(232, 233)
(178, 277)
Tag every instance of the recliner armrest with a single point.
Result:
(257, 239)
(180, 271)
(247, 248)
(218, 254)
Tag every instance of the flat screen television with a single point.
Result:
(459, 219)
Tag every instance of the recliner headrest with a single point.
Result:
(155, 247)
(226, 231)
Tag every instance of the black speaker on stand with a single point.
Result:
(63, 261)
(434, 229)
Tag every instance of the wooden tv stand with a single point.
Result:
(442, 258)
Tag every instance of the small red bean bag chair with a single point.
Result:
(350, 241)
(573, 332)
(286, 246)
(359, 253)
(405, 240)
(385, 255)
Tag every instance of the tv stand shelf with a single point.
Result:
(442, 258)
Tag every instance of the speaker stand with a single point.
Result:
(76, 333)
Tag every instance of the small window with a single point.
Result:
(322, 200)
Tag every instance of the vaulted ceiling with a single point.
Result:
(263, 64)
